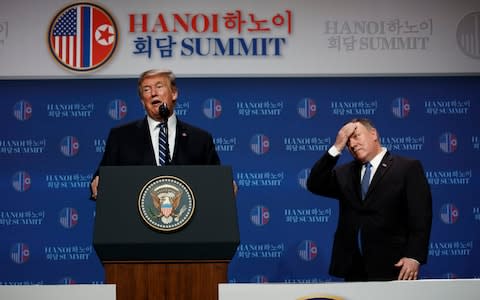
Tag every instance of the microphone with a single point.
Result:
(163, 111)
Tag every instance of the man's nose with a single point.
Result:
(352, 144)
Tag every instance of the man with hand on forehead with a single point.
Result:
(385, 207)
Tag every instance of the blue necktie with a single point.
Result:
(366, 179)
(365, 183)
(163, 155)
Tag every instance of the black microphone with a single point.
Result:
(163, 111)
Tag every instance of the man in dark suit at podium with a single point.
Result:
(160, 138)
(385, 207)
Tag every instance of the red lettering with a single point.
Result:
(143, 23)
(214, 22)
(177, 19)
(203, 21)
(176, 22)
(160, 22)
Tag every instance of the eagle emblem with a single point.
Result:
(166, 199)
(166, 203)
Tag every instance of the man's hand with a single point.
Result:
(235, 189)
(94, 187)
(343, 135)
(409, 268)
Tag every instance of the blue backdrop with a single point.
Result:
(271, 131)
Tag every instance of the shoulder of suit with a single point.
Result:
(191, 128)
(390, 155)
(401, 159)
(131, 125)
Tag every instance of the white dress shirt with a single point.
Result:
(155, 131)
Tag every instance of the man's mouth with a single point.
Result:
(156, 102)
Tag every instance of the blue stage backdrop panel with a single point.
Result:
(271, 131)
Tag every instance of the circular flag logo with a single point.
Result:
(307, 108)
(69, 146)
(449, 213)
(166, 203)
(307, 250)
(68, 217)
(117, 109)
(260, 144)
(82, 37)
(21, 181)
(400, 107)
(448, 142)
(20, 253)
(22, 110)
(468, 35)
(212, 108)
(259, 215)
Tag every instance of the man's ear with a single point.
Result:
(374, 134)
(174, 95)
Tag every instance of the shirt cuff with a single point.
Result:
(333, 151)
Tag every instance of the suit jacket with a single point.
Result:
(395, 216)
(131, 144)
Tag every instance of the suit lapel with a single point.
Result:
(356, 170)
(382, 169)
(181, 137)
(146, 141)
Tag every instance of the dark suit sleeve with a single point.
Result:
(128, 145)
(108, 154)
(194, 146)
(211, 155)
(111, 148)
(321, 180)
(419, 201)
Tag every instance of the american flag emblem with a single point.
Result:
(83, 36)
(307, 108)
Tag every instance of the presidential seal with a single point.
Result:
(166, 203)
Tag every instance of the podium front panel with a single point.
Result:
(122, 235)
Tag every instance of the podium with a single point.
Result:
(142, 251)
